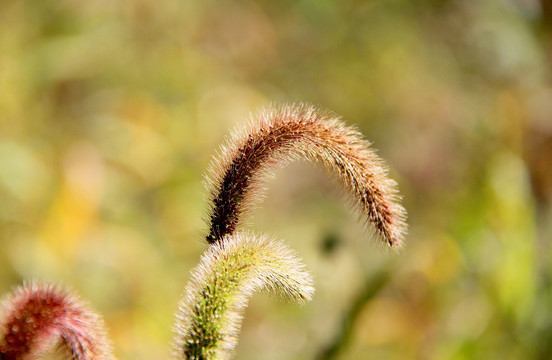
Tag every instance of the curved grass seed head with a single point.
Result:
(210, 314)
(40, 318)
(279, 135)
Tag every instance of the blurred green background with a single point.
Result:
(111, 110)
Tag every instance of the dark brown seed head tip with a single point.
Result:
(211, 239)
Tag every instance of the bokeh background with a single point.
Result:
(111, 110)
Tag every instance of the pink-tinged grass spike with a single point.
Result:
(279, 135)
(38, 318)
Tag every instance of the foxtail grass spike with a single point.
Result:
(279, 135)
(210, 314)
(38, 318)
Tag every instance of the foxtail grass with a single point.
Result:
(40, 318)
(278, 135)
(210, 314)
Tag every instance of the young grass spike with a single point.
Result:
(279, 135)
(39, 318)
(210, 314)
